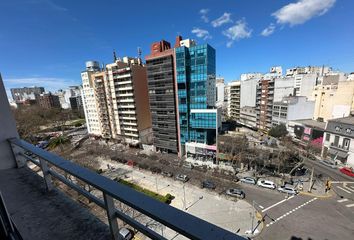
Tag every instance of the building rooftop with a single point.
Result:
(312, 123)
(346, 120)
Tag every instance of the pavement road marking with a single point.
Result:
(261, 207)
(344, 189)
(349, 189)
(342, 200)
(350, 205)
(295, 209)
(276, 204)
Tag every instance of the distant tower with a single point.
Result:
(114, 55)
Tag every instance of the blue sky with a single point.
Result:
(46, 42)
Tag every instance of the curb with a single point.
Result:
(317, 195)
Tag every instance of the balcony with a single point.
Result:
(37, 209)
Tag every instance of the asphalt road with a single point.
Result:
(333, 174)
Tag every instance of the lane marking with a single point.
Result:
(295, 209)
(343, 189)
(276, 204)
(261, 207)
(351, 187)
(342, 200)
(350, 205)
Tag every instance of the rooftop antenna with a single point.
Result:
(114, 55)
(139, 55)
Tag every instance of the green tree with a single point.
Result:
(278, 131)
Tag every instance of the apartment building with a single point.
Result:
(333, 100)
(128, 101)
(116, 100)
(234, 100)
(248, 117)
(264, 104)
(20, 95)
(290, 109)
(88, 98)
(48, 100)
(338, 143)
(163, 103)
(199, 118)
(65, 95)
(220, 92)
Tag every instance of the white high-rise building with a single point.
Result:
(220, 92)
(88, 98)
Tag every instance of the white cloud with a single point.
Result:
(302, 11)
(268, 30)
(201, 33)
(203, 14)
(237, 32)
(225, 18)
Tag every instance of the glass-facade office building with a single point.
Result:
(195, 71)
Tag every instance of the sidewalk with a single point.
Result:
(228, 213)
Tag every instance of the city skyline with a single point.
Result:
(246, 40)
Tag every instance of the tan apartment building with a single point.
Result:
(234, 100)
(333, 100)
(121, 103)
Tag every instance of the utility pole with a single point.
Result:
(252, 216)
(184, 197)
(311, 179)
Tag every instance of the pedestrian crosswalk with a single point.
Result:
(346, 192)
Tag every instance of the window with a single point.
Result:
(336, 141)
(328, 136)
(346, 143)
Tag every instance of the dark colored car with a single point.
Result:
(208, 184)
(167, 174)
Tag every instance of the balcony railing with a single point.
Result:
(175, 219)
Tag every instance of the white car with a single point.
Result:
(266, 184)
(327, 163)
(287, 189)
(248, 180)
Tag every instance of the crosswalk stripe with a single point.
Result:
(349, 189)
(350, 205)
(342, 200)
(343, 189)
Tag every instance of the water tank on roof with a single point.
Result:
(92, 66)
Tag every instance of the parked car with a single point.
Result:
(266, 184)
(347, 171)
(125, 234)
(188, 165)
(287, 189)
(249, 180)
(208, 184)
(167, 174)
(234, 192)
(328, 163)
(182, 177)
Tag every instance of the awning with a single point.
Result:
(339, 153)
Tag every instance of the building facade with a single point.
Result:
(234, 100)
(48, 100)
(264, 104)
(248, 117)
(196, 86)
(163, 103)
(338, 142)
(292, 108)
(220, 92)
(334, 100)
(20, 95)
(116, 102)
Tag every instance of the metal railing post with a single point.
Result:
(46, 175)
(111, 215)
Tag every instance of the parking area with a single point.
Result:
(213, 206)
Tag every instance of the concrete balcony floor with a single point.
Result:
(46, 215)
